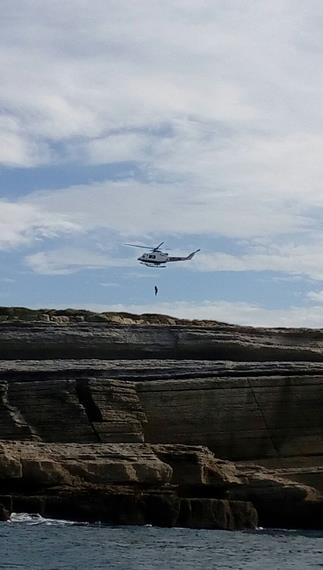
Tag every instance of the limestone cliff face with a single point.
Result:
(122, 484)
(39, 334)
(249, 395)
(275, 415)
(140, 483)
(269, 412)
(84, 410)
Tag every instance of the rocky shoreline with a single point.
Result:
(153, 420)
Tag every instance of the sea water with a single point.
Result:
(31, 542)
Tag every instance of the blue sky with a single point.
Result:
(199, 123)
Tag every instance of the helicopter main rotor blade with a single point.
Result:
(142, 246)
(158, 246)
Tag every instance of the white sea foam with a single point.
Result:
(36, 519)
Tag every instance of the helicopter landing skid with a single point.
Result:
(152, 265)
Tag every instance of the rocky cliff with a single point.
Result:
(89, 403)
(69, 334)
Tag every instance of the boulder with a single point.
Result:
(196, 466)
(279, 502)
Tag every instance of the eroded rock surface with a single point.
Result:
(257, 411)
(121, 483)
(123, 418)
(276, 498)
(47, 465)
(84, 409)
(81, 334)
(144, 484)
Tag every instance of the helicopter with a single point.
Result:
(157, 257)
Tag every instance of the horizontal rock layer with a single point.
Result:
(240, 411)
(120, 483)
(102, 338)
(236, 417)
(140, 484)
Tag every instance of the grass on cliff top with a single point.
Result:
(18, 311)
(77, 315)
(22, 312)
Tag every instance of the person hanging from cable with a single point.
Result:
(156, 290)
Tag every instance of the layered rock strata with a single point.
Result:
(269, 412)
(70, 334)
(119, 483)
(84, 410)
(106, 417)
(143, 484)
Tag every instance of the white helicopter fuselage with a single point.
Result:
(159, 258)
(154, 259)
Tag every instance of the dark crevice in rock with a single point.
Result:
(86, 400)
(202, 491)
(259, 407)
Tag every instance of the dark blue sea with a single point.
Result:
(37, 543)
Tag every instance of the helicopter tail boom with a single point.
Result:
(187, 258)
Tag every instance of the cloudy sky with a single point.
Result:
(196, 122)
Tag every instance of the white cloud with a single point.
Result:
(138, 208)
(20, 224)
(316, 296)
(293, 259)
(289, 260)
(290, 242)
(120, 65)
(17, 150)
(118, 148)
(67, 260)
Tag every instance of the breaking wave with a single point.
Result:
(37, 519)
